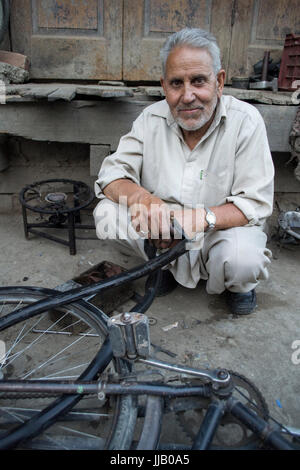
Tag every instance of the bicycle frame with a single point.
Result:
(218, 385)
(221, 402)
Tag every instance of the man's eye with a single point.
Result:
(199, 81)
(176, 83)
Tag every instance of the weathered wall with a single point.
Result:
(30, 161)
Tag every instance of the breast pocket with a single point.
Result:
(216, 186)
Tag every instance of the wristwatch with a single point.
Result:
(210, 219)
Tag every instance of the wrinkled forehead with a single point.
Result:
(186, 59)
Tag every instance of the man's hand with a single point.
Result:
(191, 220)
(151, 218)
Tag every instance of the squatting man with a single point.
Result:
(203, 158)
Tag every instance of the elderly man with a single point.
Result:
(203, 158)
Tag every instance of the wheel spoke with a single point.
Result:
(52, 357)
(47, 347)
(19, 339)
(56, 376)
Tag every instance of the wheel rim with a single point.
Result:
(57, 345)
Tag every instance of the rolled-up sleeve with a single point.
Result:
(253, 186)
(126, 162)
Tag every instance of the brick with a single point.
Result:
(14, 58)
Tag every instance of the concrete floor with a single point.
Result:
(259, 346)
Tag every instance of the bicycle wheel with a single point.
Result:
(62, 344)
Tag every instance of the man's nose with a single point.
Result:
(188, 94)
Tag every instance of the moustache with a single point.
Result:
(187, 108)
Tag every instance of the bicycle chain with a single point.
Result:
(12, 396)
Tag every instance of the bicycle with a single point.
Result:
(114, 353)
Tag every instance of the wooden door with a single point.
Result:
(69, 39)
(121, 39)
(244, 29)
(259, 26)
(147, 23)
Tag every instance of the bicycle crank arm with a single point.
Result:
(219, 377)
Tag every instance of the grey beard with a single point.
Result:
(201, 121)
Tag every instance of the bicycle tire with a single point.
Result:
(119, 435)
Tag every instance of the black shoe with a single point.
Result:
(241, 303)
(167, 284)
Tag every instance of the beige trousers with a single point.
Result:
(235, 259)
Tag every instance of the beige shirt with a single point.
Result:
(231, 163)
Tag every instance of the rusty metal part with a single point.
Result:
(111, 300)
(264, 74)
(264, 83)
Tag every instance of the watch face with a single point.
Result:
(211, 218)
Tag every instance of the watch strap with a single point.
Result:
(211, 225)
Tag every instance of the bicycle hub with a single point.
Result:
(129, 335)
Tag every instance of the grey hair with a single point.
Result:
(192, 37)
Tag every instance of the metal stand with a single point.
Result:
(63, 209)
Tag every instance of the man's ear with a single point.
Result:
(162, 82)
(221, 81)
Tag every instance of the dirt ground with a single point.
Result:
(193, 325)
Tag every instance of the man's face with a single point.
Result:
(191, 87)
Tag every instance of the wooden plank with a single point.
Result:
(152, 91)
(38, 92)
(241, 34)
(261, 96)
(66, 93)
(221, 28)
(104, 91)
(35, 91)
